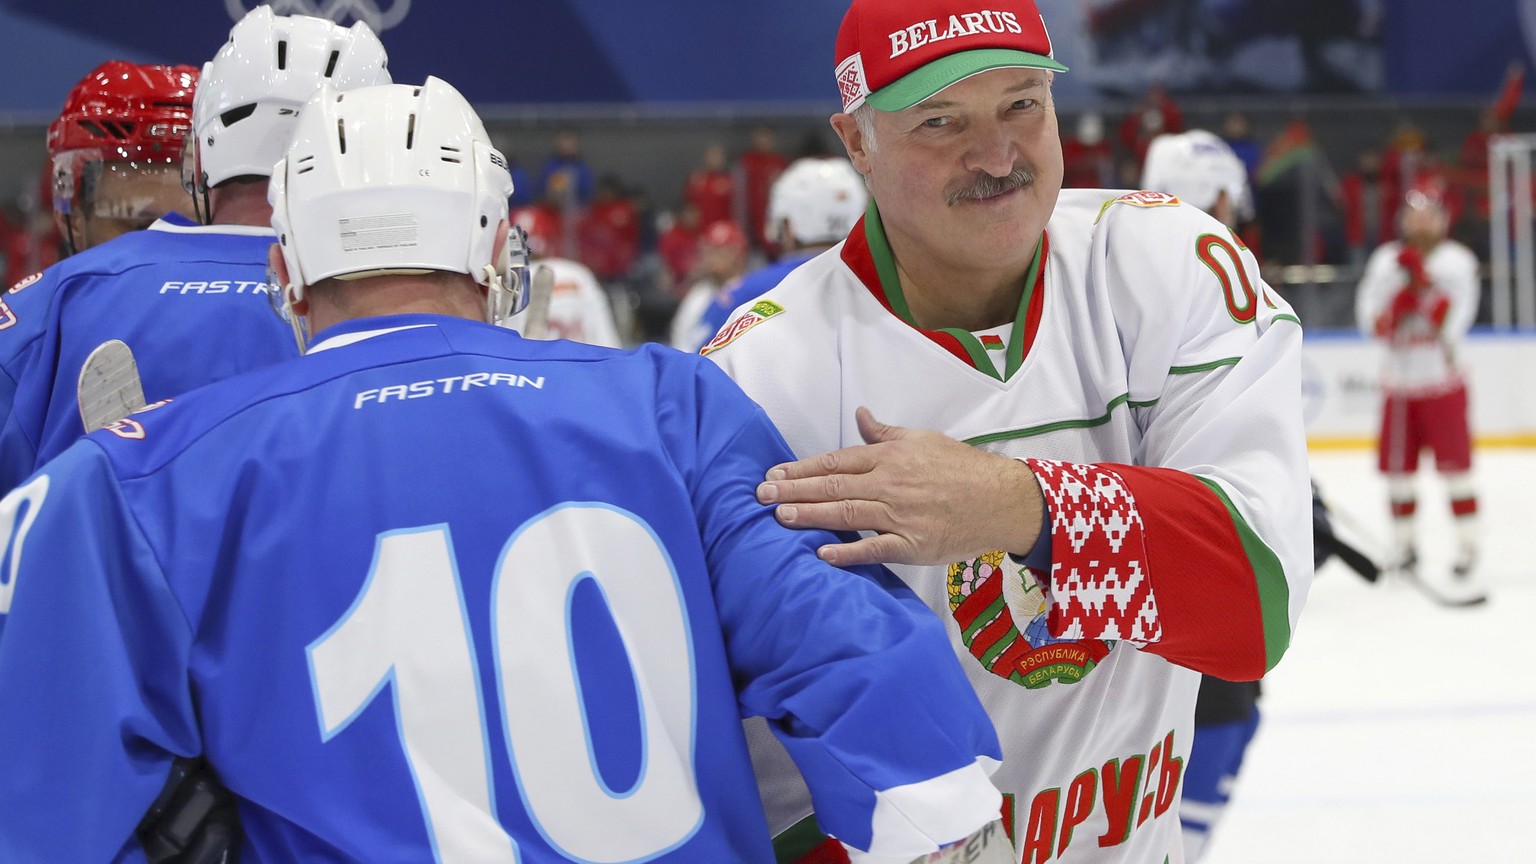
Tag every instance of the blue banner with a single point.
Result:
(667, 52)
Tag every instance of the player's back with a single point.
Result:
(188, 300)
(434, 571)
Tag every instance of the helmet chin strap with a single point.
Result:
(504, 286)
(295, 294)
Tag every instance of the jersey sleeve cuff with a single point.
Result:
(1097, 581)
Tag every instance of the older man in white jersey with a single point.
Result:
(1113, 496)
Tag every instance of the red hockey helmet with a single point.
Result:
(121, 112)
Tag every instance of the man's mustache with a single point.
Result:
(987, 186)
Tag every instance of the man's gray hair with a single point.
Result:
(864, 115)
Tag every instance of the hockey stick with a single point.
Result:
(193, 821)
(1474, 596)
(109, 389)
(536, 325)
(1353, 558)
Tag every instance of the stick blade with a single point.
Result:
(109, 388)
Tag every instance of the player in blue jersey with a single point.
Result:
(812, 206)
(188, 300)
(435, 592)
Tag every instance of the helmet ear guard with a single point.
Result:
(508, 281)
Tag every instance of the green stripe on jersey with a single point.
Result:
(1011, 434)
(1204, 367)
(1269, 578)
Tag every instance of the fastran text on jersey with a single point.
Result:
(215, 286)
(449, 384)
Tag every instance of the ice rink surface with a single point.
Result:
(1396, 731)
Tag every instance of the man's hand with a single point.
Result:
(929, 498)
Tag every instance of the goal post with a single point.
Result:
(1512, 248)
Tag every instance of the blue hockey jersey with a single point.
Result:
(189, 300)
(437, 592)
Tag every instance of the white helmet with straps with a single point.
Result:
(396, 179)
(821, 199)
(1197, 166)
(251, 91)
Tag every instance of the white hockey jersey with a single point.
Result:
(1421, 356)
(1145, 338)
(579, 309)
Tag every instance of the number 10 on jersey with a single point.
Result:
(408, 633)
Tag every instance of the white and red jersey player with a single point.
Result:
(1151, 381)
(579, 309)
(1421, 306)
(1419, 296)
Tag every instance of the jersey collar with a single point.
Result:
(175, 223)
(868, 254)
(359, 329)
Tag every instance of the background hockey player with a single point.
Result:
(1419, 296)
(579, 308)
(1116, 494)
(720, 266)
(189, 301)
(811, 207)
(115, 151)
(438, 592)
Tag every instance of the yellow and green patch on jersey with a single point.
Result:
(760, 311)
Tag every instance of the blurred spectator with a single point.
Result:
(544, 225)
(1295, 185)
(15, 241)
(721, 262)
(565, 177)
(1156, 114)
(30, 239)
(679, 248)
(813, 145)
(760, 166)
(1404, 158)
(1472, 170)
(711, 188)
(523, 191)
(1239, 136)
(1368, 203)
(1087, 156)
(610, 231)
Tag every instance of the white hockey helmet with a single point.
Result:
(1197, 166)
(253, 88)
(820, 199)
(396, 179)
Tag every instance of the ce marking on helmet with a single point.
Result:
(424, 172)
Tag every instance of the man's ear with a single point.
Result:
(500, 246)
(852, 136)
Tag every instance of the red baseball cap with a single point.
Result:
(894, 54)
